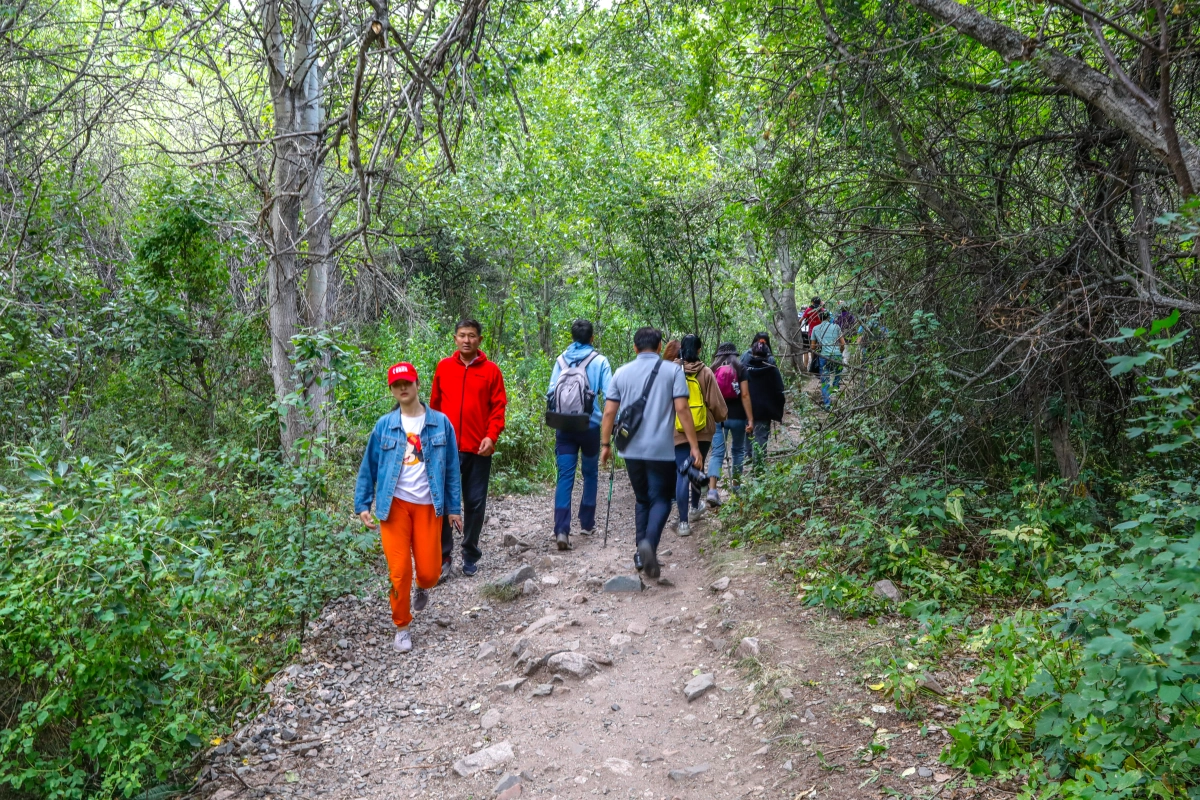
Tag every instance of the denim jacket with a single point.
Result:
(381, 464)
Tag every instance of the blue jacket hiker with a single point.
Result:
(381, 464)
(579, 447)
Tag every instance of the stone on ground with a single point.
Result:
(507, 782)
(699, 685)
(748, 648)
(720, 585)
(487, 758)
(623, 583)
(575, 664)
(529, 587)
(518, 576)
(511, 686)
(490, 719)
(684, 773)
(888, 590)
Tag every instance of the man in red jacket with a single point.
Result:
(469, 389)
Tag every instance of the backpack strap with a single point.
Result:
(589, 359)
(650, 381)
(562, 363)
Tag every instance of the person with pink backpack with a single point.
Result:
(735, 388)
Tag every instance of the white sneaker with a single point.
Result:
(684, 529)
(696, 514)
(403, 641)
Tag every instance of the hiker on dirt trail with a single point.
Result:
(828, 345)
(410, 471)
(579, 377)
(707, 408)
(761, 336)
(469, 389)
(734, 384)
(648, 392)
(766, 400)
(810, 317)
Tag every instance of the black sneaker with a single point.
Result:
(637, 559)
(421, 600)
(563, 540)
(648, 559)
(446, 565)
(469, 569)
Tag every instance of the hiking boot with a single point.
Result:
(713, 499)
(445, 576)
(587, 531)
(403, 641)
(563, 540)
(421, 600)
(684, 529)
(637, 559)
(469, 568)
(649, 560)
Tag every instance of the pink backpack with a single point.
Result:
(727, 381)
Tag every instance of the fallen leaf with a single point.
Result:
(216, 740)
(941, 777)
(292, 777)
(870, 723)
(909, 771)
(875, 687)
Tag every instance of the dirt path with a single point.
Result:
(353, 719)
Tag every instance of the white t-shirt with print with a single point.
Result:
(412, 484)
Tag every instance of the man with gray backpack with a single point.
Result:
(580, 376)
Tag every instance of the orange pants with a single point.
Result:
(411, 533)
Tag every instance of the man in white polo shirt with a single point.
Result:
(650, 453)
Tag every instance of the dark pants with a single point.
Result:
(568, 447)
(476, 470)
(683, 454)
(654, 488)
(762, 432)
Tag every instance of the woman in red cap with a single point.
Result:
(410, 471)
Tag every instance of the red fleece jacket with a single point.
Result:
(472, 397)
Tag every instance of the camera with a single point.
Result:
(697, 476)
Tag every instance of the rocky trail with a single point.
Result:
(713, 684)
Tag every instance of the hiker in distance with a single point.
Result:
(766, 399)
(410, 472)
(761, 336)
(579, 377)
(469, 389)
(707, 408)
(732, 380)
(648, 393)
(810, 318)
(828, 343)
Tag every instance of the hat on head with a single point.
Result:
(403, 371)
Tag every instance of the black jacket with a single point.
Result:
(766, 390)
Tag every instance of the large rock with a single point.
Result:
(623, 583)
(507, 782)
(512, 540)
(699, 685)
(511, 686)
(720, 585)
(683, 773)
(490, 719)
(888, 590)
(487, 758)
(486, 650)
(574, 664)
(518, 576)
(748, 648)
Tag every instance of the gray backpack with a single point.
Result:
(570, 407)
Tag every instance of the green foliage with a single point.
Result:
(137, 611)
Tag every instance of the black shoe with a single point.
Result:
(421, 600)
(648, 559)
(445, 576)
(563, 540)
(637, 559)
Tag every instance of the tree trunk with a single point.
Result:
(296, 99)
(779, 292)
(1113, 100)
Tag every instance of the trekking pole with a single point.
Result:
(608, 511)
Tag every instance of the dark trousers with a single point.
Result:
(568, 447)
(683, 455)
(475, 470)
(654, 489)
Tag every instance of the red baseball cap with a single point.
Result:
(403, 371)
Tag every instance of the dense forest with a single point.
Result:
(220, 222)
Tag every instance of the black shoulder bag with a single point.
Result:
(630, 418)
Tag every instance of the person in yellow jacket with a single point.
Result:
(707, 406)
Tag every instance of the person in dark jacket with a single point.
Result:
(761, 336)
(766, 398)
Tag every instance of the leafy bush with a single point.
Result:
(136, 614)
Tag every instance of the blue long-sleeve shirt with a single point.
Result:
(599, 373)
